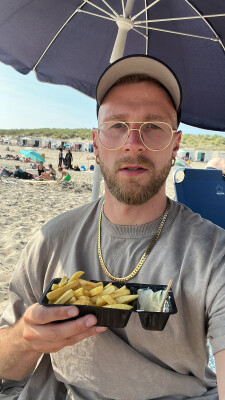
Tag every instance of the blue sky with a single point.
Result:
(27, 103)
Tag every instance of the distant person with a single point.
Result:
(60, 157)
(21, 174)
(5, 172)
(41, 168)
(48, 175)
(18, 172)
(64, 175)
(68, 160)
(52, 172)
(76, 168)
(216, 163)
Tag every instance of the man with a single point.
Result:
(135, 145)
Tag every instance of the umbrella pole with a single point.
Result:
(124, 25)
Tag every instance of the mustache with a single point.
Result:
(139, 160)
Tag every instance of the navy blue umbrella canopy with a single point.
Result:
(71, 42)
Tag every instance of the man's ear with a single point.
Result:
(95, 140)
(176, 144)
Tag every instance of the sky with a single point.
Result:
(26, 103)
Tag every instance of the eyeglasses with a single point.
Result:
(154, 135)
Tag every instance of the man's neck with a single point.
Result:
(122, 214)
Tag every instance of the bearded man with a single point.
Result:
(133, 234)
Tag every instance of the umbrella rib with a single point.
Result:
(78, 9)
(57, 34)
(146, 29)
(114, 12)
(216, 39)
(144, 9)
(123, 8)
(206, 22)
(140, 33)
(101, 9)
(182, 18)
(97, 15)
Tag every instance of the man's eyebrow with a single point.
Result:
(117, 117)
(126, 118)
(155, 117)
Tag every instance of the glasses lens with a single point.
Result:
(156, 135)
(113, 134)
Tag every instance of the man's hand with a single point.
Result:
(36, 333)
(41, 334)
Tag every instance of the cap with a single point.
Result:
(140, 64)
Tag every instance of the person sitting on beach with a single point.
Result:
(21, 174)
(18, 172)
(5, 172)
(216, 163)
(64, 175)
(134, 234)
(48, 175)
(52, 172)
(41, 168)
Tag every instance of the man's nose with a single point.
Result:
(134, 141)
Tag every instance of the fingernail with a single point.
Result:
(72, 312)
(90, 322)
(101, 329)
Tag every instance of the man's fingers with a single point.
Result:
(58, 332)
(51, 337)
(41, 315)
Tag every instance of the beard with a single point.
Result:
(129, 190)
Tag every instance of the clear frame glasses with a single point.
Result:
(155, 135)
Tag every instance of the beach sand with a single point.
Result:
(26, 205)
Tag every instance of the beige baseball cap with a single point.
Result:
(140, 64)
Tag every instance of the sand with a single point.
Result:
(26, 206)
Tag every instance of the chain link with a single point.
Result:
(144, 256)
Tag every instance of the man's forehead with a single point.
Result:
(146, 98)
(141, 89)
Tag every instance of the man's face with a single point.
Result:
(133, 174)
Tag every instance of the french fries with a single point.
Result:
(78, 291)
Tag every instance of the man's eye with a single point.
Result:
(152, 126)
(118, 125)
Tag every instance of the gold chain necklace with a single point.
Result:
(145, 255)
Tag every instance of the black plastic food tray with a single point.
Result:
(116, 318)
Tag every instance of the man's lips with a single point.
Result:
(132, 170)
(132, 167)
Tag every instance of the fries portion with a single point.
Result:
(78, 291)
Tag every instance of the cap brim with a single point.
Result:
(139, 64)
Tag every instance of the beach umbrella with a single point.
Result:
(32, 154)
(71, 42)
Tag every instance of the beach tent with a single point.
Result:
(79, 146)
(204, 155)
